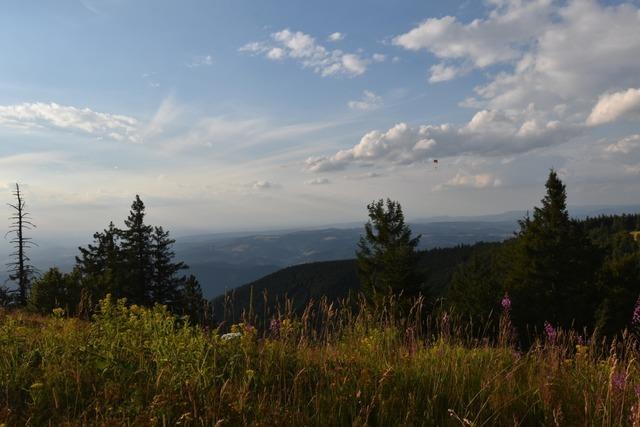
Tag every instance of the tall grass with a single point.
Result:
(330, 366)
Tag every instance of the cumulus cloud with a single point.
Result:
(488, 133)
(559, 68)
(304, 49)
(369, 101)
(464, 180)
(378, 57)
(482, 42)
(551, 52)
(613, 106)
(335, 37)
(318, 181)
(81, 120)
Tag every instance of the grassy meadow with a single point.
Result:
(138, 366)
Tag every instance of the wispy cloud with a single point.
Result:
(335, 37)
(465, 180)
(303, 48)
(318, 181)
(63, 117)
(369, 101)
(200, 61)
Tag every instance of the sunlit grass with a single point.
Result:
(137, 366)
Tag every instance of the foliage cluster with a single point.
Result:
(136, 263)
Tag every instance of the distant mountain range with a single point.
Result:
(224, 261)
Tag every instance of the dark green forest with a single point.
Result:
(580, 274)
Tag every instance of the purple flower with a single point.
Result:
(618, 381)
(635, 319)
(274, 326)
(506, 303)
(550, 331)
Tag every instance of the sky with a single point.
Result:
(242, 115)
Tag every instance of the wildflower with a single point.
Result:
(635, 319)
(550, 332)
(506, 303)
(274, 326)
(618, 381)
(230, 336)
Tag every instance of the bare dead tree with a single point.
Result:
(20, 269)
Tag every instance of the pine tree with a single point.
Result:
(165, 287)
(100, 264)
(386, 255)
(552, 265)
(192, 303)
(20, 269)
(136, 247)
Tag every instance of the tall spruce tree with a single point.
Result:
(20, 269)
(386, 254)
(137, 251)
(552, 266)
(192, 303)
(165, 286)
(100, 265)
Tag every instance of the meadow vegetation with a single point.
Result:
(132, 365)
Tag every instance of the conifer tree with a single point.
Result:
(20, 269)
(192, 302)
(386, 255)
(136, 247)
(165, 287)
(552, 265)
(100, 264)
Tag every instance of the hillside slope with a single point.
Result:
(334, 279)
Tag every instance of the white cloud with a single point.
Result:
(82, 120)
(263, 185)
(552, 52)
(443, 73)
(336, 37)
(378, 57)
(276, 53)
(318, 181)
(625, 145)
(482, 42)
(369, 101)
(201, 61)
(304, 48)
(613, 106)
(587, 49)
(465, 180)
(488, 133)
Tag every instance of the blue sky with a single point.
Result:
(228, 115)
